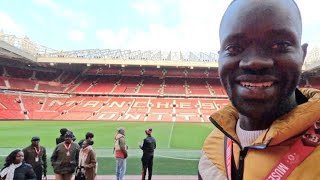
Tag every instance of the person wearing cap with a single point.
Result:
(65, 158)
(60, 139)
(36, 156)
(149, 144)
(89, 136)
(121, 153)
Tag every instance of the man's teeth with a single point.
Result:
(262, 84)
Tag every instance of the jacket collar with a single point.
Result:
(287, 126)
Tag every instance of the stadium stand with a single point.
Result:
(70, 96)
(198, 87)
(127, 85)
(314, 82)
(18, 72)
(174, 86)
(150, 86)
(104, 84)
(21, 84)
(153, 72)
(114, 85)
(2, 82)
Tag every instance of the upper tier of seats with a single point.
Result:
(149, 81)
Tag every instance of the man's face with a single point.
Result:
(35, 143)
(67, 139)
(260, 56)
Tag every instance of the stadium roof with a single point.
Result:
(23, 48)
(12, 47)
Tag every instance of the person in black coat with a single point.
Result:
(149, 144)
(60, 139)
(36, 156)
(15, 168)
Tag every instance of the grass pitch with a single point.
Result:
(177, 153)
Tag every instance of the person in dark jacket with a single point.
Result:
(60, 139)
(15, 168)
(36, 156)
(149, 144)
(65, 158)
(89, 136)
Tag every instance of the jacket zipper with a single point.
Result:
(243, 151)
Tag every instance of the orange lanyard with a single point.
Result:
(37, 152)
(300, 150)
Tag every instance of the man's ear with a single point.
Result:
(304, 50)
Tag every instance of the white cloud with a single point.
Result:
(83, 23)
(76, 35)
(310, 21)
(197, 29)
(147, 7)
(308, 11)
(113, 40)
(78, 18)
(37, 17)
(48, 3)
(9, 26)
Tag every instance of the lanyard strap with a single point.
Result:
(37, 152)
(228, 156)
(67, 147)
(300, 150)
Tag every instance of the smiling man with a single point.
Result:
(260, 61)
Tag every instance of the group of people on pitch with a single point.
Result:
(67, 158)
(30, 163)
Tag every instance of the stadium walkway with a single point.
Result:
(133, 177)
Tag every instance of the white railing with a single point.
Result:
(26, 45)
(38, 50)
(136, 55)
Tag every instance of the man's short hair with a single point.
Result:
(294, 2)
(89, 135)
(35, 138)
(63, 131)
(148, 131)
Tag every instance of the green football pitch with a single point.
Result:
(177, 153)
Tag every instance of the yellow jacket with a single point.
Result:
(281, 135)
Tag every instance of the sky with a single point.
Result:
(169, 25)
